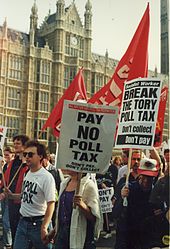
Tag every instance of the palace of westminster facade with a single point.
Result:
(35, 68)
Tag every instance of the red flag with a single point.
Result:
(160, 118)
(132, 65)
(75, 91)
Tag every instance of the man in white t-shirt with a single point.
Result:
(37, 200)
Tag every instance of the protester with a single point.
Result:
(77, 227)
(135, 162)
(159, 228)
(37, 202)
(117, 161)
(14, 178)
(167, 159)
(123, 170)
(104, 181)
(58, 177)
(7, 237)
(56, 173)
(130, 219)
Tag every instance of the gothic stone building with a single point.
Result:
(35, 68)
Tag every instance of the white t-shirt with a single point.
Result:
(122, 172)
(38, 189)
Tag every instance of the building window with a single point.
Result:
(43, 101)
(45, 72)
(69, 74)
(67, 44)
(38, 71)
(13, 125)
(38, 124)
(73, 52)
(15, 67)
(99, 80)
(81, 52)
(14, 98)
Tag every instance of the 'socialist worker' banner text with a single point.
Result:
(139, 109)
(87, 137)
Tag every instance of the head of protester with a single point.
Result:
(117, 161)
(147, 170)
(167, 155)
(167, 160)
(19, 142)
(34, 154)
(125, 155)
(135, 161)
(8, 154)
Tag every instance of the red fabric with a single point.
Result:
(21, 174)
(160, 118)
(75, 91)
(133, 64)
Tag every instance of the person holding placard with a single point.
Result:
(130, 220)
(76, 227)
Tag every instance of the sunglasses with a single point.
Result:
(29, 154)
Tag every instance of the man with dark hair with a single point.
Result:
(13, 179)
(37, 200)
(23, 138)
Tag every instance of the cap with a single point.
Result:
(148, 167)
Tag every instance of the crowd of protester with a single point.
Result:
(44, 207)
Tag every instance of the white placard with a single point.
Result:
(105, 196)
(87, 137)
(138, 115)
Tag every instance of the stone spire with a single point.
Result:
(5, 29)
(60, 8)
(107, 56)
(88, 15)
(33, 23)
(34, 16)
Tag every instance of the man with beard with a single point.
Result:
(130, 228)
(135, 161)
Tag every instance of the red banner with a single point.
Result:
(133, 64)
(161, 116)
(75, 91)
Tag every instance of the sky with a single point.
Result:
(114, 22)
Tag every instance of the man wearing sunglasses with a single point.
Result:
(37, 200)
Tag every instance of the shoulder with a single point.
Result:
(90, 186)
(123, 168)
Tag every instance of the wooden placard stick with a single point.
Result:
(15, 176)
(79, 176)
(125, 203)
